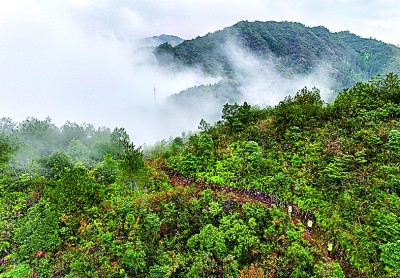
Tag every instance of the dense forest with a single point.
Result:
(301, 189)
(293, 47)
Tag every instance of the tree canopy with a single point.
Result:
(302, 189)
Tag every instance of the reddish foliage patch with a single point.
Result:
(40, 254)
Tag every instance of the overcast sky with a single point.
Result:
(73, 59)
(189, 18)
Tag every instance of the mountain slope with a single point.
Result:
(293, 47)
(339, 163)
(302, 189)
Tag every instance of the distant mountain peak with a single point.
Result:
(299, 50)
(155, 41)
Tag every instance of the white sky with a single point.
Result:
(188, 18)
(73, 59)
(378, 19)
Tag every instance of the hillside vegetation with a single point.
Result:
(302, 189)
(293, 47)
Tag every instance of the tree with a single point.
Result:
(134, 257)
(236, 116)
(75, 189)
(57, 164)
(73, 131)
(38, 231)
(204, 126)
(328, 270)
(305, 110)
(7, 125)
(5, 148)
(130, 157)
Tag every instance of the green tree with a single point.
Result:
(5, 148)
(57, 164)
(304, 110)
(130, 157)
(237, 117)
(38, 231)
(76, 189)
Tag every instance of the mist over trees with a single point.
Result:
(263, 62)
(291, 47)
(110, 80)
(300, 189)
(294, 170)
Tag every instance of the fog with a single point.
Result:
(257, 80)
(262, 83)
(59, 69)
(108, 81)
(85, 65)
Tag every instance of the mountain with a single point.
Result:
(292, 48)
(157, 40)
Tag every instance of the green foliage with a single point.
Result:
(237, 117)
(328, 270)
(210, 239)
(76, 188)
(204, 265)
(20, 271)
(59, 197)
(390, 255)
(5, 148)
(57, 164)
(134, 257)
(199, 156)
(38, 231)
(78, 151)
(204, 126)
(90, 206)
(394, 141)
(78, 133)
(298, 47)
(107, 171)
(130, 157)
(301, 259)
(339, 160)
(387, 227)
(305, 106)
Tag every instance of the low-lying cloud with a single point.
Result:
(263, 83)
(80, 62)
(58, 68)
(257, 80)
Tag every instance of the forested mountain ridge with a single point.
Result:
(262, 62)
(294, 47)
(155, 41)
(302, 189)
